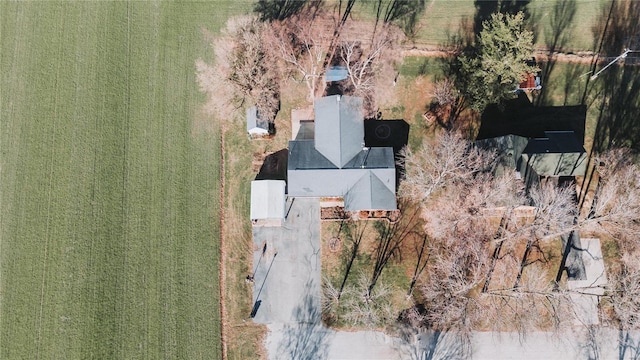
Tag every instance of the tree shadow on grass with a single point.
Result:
(484, 10)
(305, 338)
(270, 10)
(556, 37)
(618, 87)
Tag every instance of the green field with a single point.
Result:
(109, 181)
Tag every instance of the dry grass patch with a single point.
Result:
(349, 272)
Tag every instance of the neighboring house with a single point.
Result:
(256, 126)
(559, 154)
(267, 202)
(536, 142)
(328, 159)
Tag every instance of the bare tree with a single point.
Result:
(615, 213)
(444, 92)
(554, 215)
(486, 264)
(476, 223)
(367, 61)
(616, 206)
(241, 72)
(452, 159)
(302, 43)
(447, 103)
(624, 291)
(463, 229)
(534, 304)
(368, 308)
(448, 291)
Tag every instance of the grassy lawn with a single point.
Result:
(109, 242)
(444, 18)
(244, 337)
(390, 290)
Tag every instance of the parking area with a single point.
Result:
(287, 267)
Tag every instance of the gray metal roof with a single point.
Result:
(372, 158)
(338, 182)
(369, 193)
(336, 73)
(339, 128)
(303, 155)
(335, 163)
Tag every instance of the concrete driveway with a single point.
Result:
(287, 262)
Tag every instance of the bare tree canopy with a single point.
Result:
(615, 213)
(450, 160)
(371, 62)
(302, 43)
(241, 73)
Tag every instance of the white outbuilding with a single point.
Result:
(256, 126)
(268, 202)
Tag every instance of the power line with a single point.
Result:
(621, 56)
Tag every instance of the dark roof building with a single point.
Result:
(557, 154)
(536, 141)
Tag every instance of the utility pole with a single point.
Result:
(622, 56)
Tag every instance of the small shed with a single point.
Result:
(530, 81)
(255, 125)
(267, 202)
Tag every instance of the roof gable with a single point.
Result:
(369, 193)
(339, 128)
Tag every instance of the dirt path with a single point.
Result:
(222, 273)
(582, 57)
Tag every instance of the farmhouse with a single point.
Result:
(328, 158)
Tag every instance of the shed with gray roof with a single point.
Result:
(255, 125)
